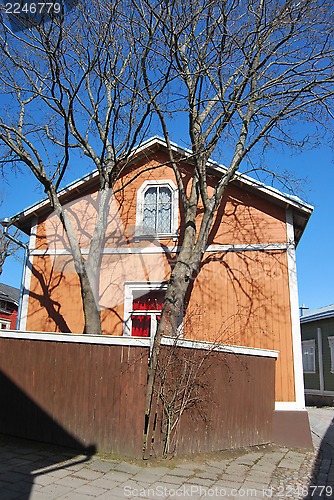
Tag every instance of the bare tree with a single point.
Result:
(235, 74)
(238, 76)
(7, 248)
(71, 88)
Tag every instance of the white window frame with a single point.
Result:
(129, 288)
(331, 349)
(4, 322)
(306, 344)
(139, 232)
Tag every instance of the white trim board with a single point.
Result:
(211, 346)
(288, 406)
(134, 341)
(77, 338)
(294, 306)
(22, 320)
(169, 249)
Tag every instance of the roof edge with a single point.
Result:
(159, 142)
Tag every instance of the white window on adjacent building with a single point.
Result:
(4, 325)
(157, 209)
(331, 348)
(308, 349)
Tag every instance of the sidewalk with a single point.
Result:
(36, 472)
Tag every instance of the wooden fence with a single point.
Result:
(92, 395)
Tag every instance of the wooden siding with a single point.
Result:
(309, 331)
(71, 394)
(242, 298)
(232, 401)
(92, 397)
(238, 298)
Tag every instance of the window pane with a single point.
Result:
(164, 210)
(149, 219)
(331, 347)
(141, 326)
(150, 210)
(165, 196)
(308, 349)
(157, 210)
(164, 218)
(152, 300)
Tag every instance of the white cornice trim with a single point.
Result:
(169, 249)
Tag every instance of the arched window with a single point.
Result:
(157, 209)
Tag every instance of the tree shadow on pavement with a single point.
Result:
(23, 462)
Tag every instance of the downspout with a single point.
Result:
(6, 223)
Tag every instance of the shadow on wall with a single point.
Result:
(322, 479)
(21, 417)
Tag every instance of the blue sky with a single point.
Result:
(314, 253)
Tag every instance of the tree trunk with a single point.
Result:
(90, 306)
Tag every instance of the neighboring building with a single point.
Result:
(9, 302)
(244, 295)
(318, 355)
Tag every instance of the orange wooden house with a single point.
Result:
(245, 294)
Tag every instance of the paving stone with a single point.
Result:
(114, 495)
(13, 477)
(289, 464)
(54, 491)
(20, 487)
(161, 471)
(10, 495)
(104, 483)
(87, 489)
(59, 473)
(181, 472)
(88, 474)
(173, 479)
(128, 468)
(115, 475)
(76, 496)
(263, 479)
(200, 481)
(146, 477)
(36, 495)
(44, 479)
(71, 481)
(102, 466)
(208, 475)
(228, 484)
(221, 464)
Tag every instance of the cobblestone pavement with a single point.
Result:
(34, 471)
